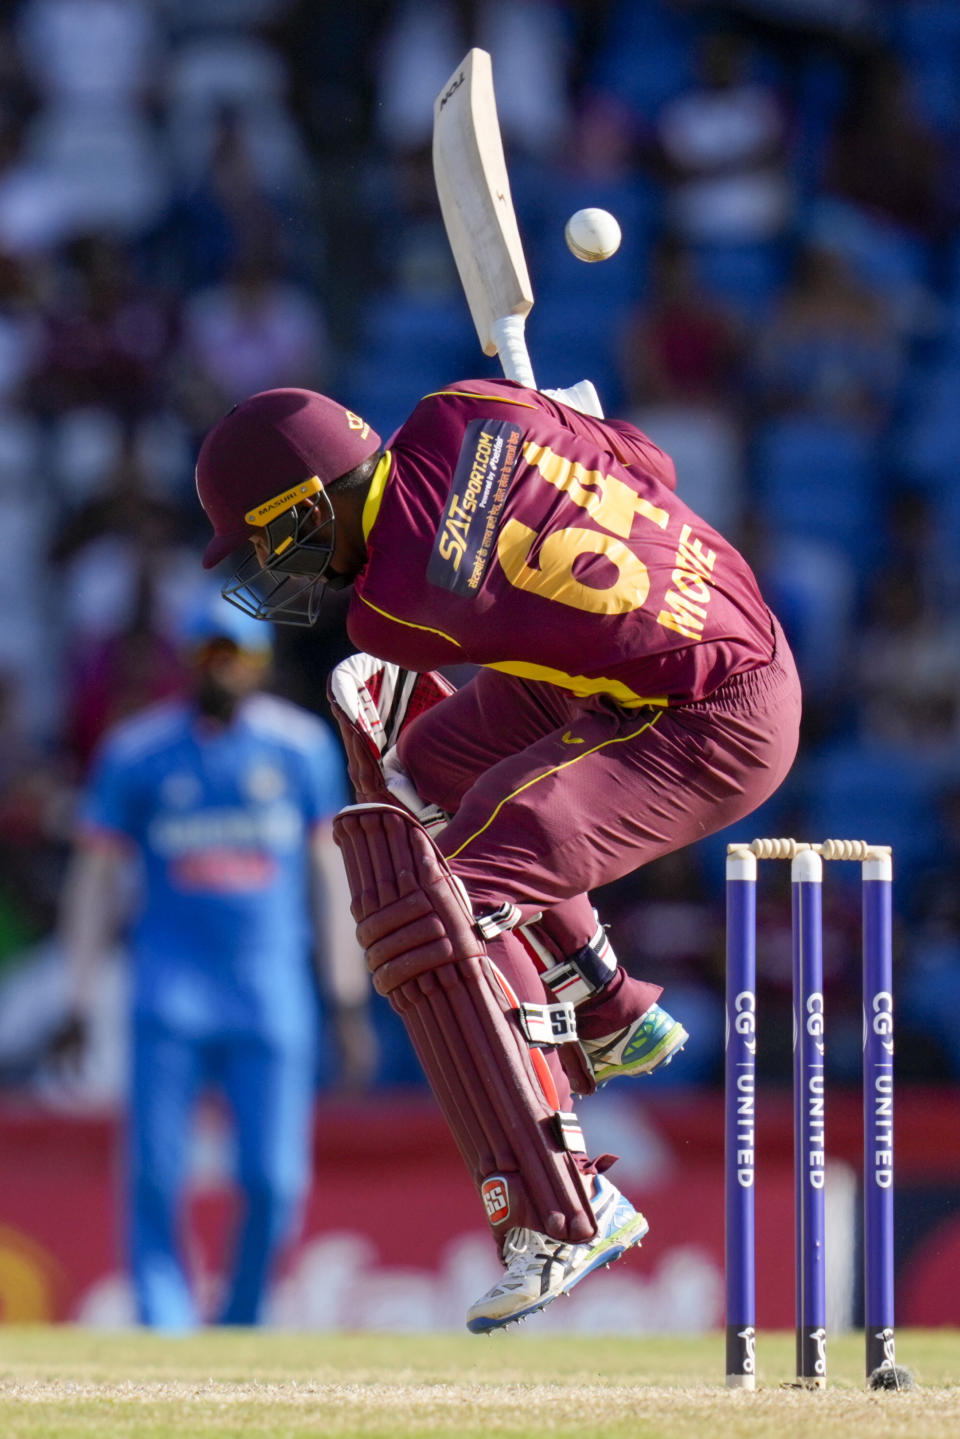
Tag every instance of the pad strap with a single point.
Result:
(498, 921)
(544, 953)
(582, 974)
(548, 1024)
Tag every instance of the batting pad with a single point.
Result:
(495, 1089)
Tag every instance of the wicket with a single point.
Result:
(808, 1105)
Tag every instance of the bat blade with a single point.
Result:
(473, 188)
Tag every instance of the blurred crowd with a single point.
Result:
(200, 200)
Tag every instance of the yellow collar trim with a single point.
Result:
(371, 505)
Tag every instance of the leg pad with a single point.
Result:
(496, 1092)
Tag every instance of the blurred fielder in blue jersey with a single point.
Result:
(220, 805)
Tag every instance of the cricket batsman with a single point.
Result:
(634, 694)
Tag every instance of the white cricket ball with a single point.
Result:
(593, 234)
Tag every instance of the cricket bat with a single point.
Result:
(473, 188)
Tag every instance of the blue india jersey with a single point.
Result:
(219, 819)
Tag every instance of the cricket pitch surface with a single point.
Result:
(64, 1383)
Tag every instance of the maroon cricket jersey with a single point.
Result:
(513, 532)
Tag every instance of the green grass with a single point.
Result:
(234, 1384)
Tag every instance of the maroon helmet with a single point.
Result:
(266, 466)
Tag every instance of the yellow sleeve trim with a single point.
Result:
(378, 483)
(409, 623)
(476, 395)
(577, 684)
(576, 759)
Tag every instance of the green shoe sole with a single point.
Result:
(648, 1060)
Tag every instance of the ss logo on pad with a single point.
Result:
(496, 1198)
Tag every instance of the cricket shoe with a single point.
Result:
(640, 1048)
(539, 1269)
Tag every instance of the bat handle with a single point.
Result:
(507, 335)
